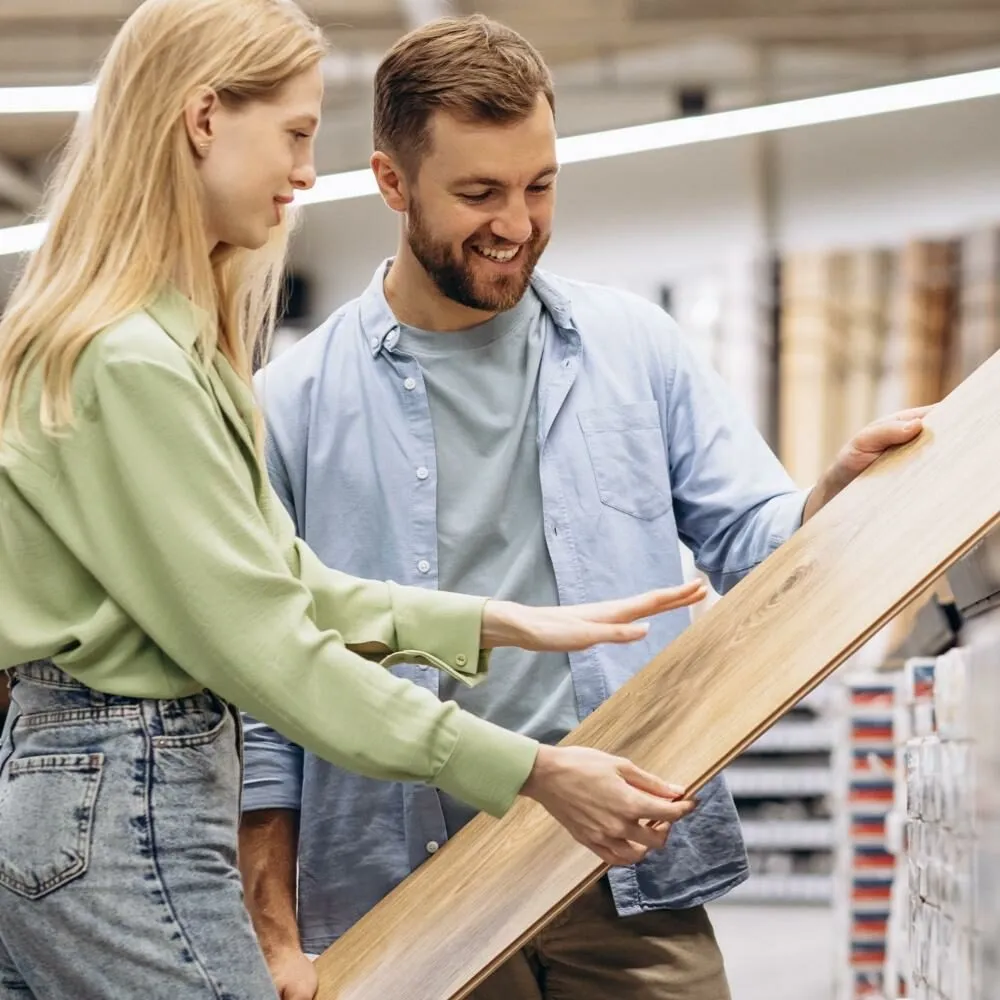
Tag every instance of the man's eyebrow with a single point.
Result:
(487, 181)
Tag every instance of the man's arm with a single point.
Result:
(268, 858)
(268, 854)
(733, 502)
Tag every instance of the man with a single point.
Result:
(473, 423)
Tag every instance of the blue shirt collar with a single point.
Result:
(381, 328)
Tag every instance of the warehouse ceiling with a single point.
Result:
(615, 61)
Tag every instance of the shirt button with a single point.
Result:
(422, 472)
(432, 846)
(461, 660)
(409, 384)
(374, 342)
(424, 566)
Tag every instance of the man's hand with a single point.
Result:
(294, 974)
(861, 451)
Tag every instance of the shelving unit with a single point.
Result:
(782, 785)
(916, 879)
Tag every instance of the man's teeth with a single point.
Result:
(501, 255)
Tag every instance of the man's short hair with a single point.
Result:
(469, 67)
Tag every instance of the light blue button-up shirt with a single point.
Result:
(640, 447)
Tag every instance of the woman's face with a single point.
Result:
(251, 158)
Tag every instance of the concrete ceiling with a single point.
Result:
(615, 61)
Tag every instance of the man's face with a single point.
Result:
(480, 212)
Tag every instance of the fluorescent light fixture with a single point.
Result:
(674, 132)
(337, 187)
(20, 239)
(46, 100)
(774, 117)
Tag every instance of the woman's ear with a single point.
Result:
(199, 112)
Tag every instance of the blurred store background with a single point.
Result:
(832, 272)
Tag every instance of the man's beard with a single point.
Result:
(456, 278)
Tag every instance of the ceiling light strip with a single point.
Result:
(671, 133)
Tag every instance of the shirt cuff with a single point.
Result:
(488, 766)
(786, 517)
(263, 790)
(439, 629)
(272, 769)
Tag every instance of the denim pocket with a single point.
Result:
(46, 820)
(629, 458)
(195, 721)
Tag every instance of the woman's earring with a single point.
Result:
(203, 147)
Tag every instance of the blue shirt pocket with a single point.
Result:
(629, 458)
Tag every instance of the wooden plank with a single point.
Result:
(925, 332)
(928, 269)
(698, 704)
(810, 340)
(866, 320)
(979, 303)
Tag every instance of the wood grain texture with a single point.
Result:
(978, 333)
(810, 367)
(924, 333)
(866, 321)
(697, 704)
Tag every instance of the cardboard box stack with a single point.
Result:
(984, 684)
(940, 830)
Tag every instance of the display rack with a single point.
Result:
(782, 785)
(918, 869)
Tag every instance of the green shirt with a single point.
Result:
(146, 554)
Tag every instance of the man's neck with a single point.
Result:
(416, 301)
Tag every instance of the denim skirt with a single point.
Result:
(118, 833)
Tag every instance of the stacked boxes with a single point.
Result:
(868, 771)
(984, 647)
(940, 828)
(914, 720)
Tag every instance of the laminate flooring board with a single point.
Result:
(929, 314)
(867, 296)
(810, 362)
(697, 704)
(979, 302)
(892, 385)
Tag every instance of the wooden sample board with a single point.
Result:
(697, 704)
(866, 307)
(810, 366)
(979, 303)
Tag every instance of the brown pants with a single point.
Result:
(590, 953)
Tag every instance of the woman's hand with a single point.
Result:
(577, 626)
(609, 805)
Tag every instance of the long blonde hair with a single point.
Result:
(124, 212)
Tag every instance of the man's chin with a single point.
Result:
(500, 294)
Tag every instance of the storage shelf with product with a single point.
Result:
(782, 785)
(918, 875)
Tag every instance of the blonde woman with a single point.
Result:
(149, 580)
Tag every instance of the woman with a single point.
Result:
(150, 582)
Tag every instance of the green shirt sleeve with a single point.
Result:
(151, 492)
(414, 620)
